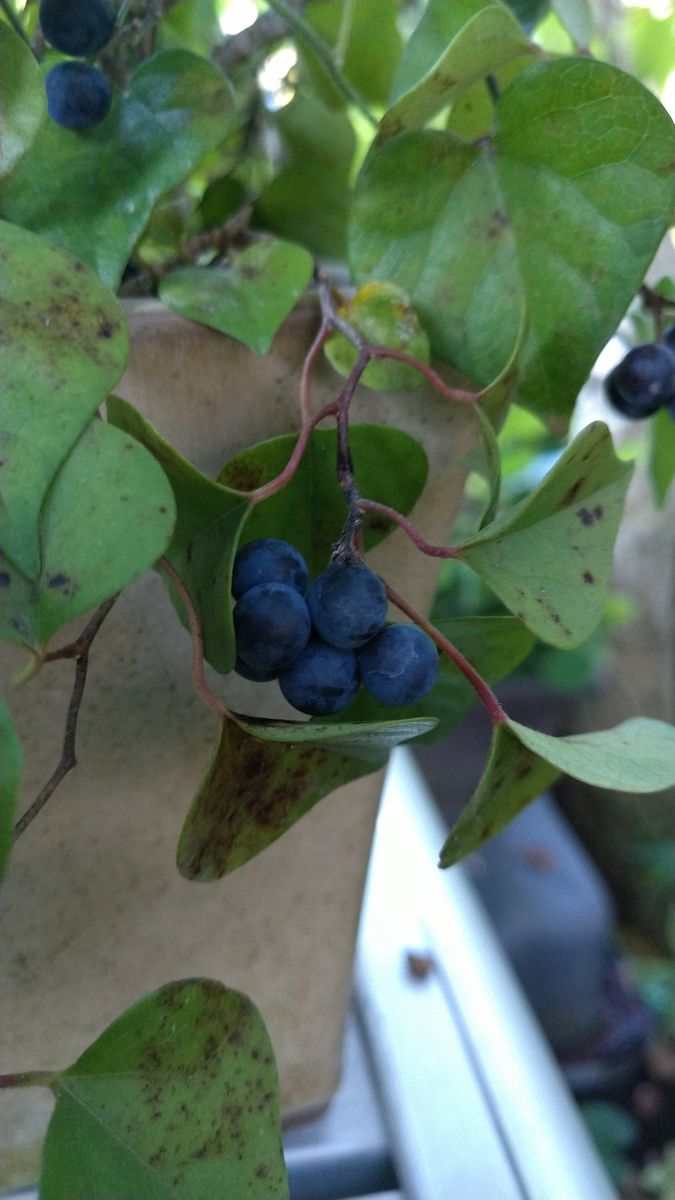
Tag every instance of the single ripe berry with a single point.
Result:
(272, 626)
(79, 27)
(348, 604)
(247, 672)
(322, 680)
(399, 665)
(643, 381)
(268, 560)
(78, 96)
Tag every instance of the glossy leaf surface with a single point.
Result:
(557, 214)
(549, 558)
(177, 108)
(65, 345)
(249, 297)
(178, 1097)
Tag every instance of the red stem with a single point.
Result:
(408, 527)
(275, 485)
(308, 369)
(484, 693)
(29, 1079)
(198, 678)
(444, 389)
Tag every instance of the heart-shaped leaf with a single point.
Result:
(65, 345)
(549, 558)
(94, 539)
(11, 762)
(264, 776)
(513, 776)
(390, 465)
(636, 756)
(495, 646)
(23, 104)
(178, 1098)
(209, 518)
(383, 315)
(249, 297)
(177, 108)
(453, 46)
(558, 213)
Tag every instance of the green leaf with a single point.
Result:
(512, 777)
(308, 201)
(208, 522)
(11, 763)
(495, 646)
(108, 516)
(636, 756)
(23, 104)
(65, 346)
(576, 17)
(391, 467)
(103, 182)
(661, 435)
(549, 558)
(557, 215)
(248, 298)
(453, 47)
(178, 1098)
(264, 776)
(383, 315)
(368, 53)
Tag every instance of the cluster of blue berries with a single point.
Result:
(78, 95)
(323, 643)
(644, 381)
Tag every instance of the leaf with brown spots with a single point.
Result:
(549, 558)
(637, 756)
(177, 1099)
(108, 516)
(56, 370)
(265, 775)
(452, 47)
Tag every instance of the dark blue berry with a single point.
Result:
(77, 95)
(348, 604)
(399, 665)
(79, 27)
(272, 626)
(268, 560)
(643, 381)
(247, 672)
(322, 680)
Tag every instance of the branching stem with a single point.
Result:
(481, 688)
(79, 650)
(275, 485)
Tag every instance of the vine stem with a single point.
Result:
(308, 370)
(485, 694)
(79, 650)
(305, 31)
(407, 526)
(22, 1079)
(275, 485)
(198, 677)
